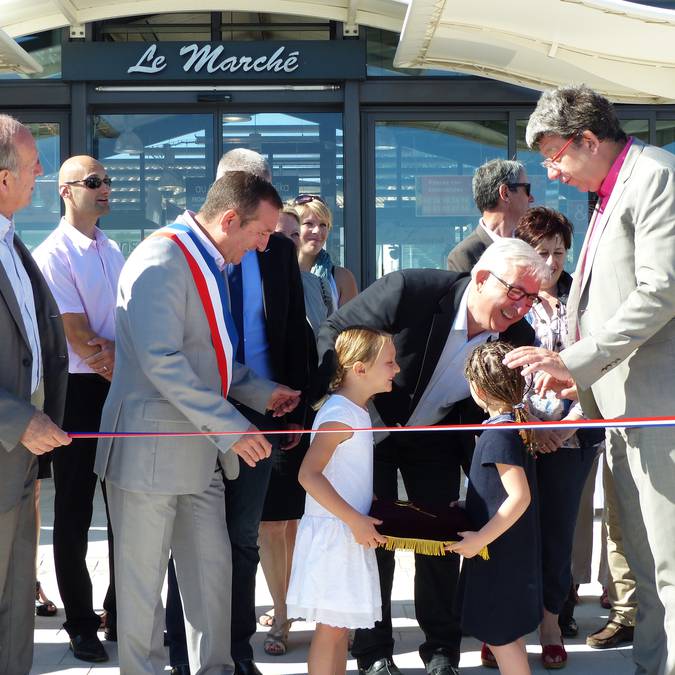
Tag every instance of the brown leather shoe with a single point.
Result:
(612, 634)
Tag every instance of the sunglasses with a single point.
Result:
(92, 182)
(515, 186)
(306, 199)
(516, 294)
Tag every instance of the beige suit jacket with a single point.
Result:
(166, 379)
(624, 363)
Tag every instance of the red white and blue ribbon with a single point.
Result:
(619, 422)
(210, 285)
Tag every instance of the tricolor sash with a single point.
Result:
(213, 294)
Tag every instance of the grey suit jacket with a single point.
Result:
(466, 254)
(17, 464)
(625, 309)
(166, 379)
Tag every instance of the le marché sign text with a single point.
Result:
(214, 61)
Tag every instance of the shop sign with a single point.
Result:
(217, 61)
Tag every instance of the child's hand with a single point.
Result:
(469, 546)
(363, 529)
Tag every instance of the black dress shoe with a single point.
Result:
(385, 666)
(246, 667)
(440, 665)
(88, 648)
(183, 669)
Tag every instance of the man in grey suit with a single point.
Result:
(622, 313)
(167, 494)
(33, 380)
(502, 195)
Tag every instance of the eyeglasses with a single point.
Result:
(306, 199)
(553, 162)
(93, 182)
(515, 293)
(515, 186)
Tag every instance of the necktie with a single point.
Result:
(236, 286)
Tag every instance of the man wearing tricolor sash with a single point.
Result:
(174, 370)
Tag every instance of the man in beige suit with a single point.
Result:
(622, 312)
(167, 494)
(33, 379)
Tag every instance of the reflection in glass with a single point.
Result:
(665, 134)
(160, 166)
(305, 153)
(423, 204)
(42, 215)
(45, 48)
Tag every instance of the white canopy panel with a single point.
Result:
(22, 17)
(621, 49)
(14, 58)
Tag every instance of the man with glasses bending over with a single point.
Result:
(502, 195)
(82, 266)
(622, 316)
(436, 318)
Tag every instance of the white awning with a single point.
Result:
(14, 58)
(624, 50)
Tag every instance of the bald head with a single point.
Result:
(79, 167)
(84, 203)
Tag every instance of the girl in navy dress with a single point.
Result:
(502, 597)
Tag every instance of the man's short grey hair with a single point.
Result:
(567, 111)
(243, 159)
(489, 177)
(507, 254)
(10, 128)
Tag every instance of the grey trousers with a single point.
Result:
(642, 462)
(146, 528)
(17, 581)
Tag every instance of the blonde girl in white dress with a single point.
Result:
(334, 579)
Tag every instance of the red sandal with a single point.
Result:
(553, 657)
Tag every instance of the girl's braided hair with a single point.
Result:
(485, 369)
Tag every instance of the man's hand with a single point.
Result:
(252, 448)
(469, 546)
(283, 400)
(293, 438)
(103, 361)
(42, 435)
(534, 359)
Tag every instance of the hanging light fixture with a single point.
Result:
(129, 143)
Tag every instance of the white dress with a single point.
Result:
(334, 580)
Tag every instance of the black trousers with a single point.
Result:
(561, 477)
(75, 485)
(244, 500)
(430, 475)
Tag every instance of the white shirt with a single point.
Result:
(82, 274)
(493, 235)
(188, 218)
(448, 384)
(23, 292)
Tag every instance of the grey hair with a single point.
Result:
(507, 254)
(243, 159)
(567, 111)
(10, 128)
(489, 177)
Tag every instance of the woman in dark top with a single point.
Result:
(502, 597)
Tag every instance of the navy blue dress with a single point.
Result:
(502, 596)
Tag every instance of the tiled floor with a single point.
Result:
(51, 642)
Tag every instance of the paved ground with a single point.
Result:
(51, 641)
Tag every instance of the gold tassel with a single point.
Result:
(424, 546)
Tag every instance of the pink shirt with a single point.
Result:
(82, 275)
(604, 193)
